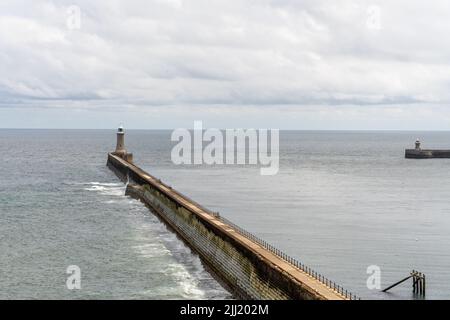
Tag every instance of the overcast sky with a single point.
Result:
(285, 64)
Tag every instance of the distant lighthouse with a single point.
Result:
(120, 146)
(417, 144)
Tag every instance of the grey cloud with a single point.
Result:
(202, 52)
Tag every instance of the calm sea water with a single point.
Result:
(342, 201)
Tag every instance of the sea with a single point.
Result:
(344, 203)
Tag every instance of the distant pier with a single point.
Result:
(419, 153)
(246, 265)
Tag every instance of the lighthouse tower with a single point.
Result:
(417, 144)
(120, 146)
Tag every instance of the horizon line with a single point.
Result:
(286, 129)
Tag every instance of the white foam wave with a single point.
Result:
(93, 183)
(187, 283)
(151, 250)
(105, 184)
(107, 189)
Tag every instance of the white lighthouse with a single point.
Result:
(417, 144)
(120, 146)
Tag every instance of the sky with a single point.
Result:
(286, 64)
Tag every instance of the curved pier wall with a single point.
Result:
(232, 259)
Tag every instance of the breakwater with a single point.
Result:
(426, 154)
(419, 153)
(247, 266)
